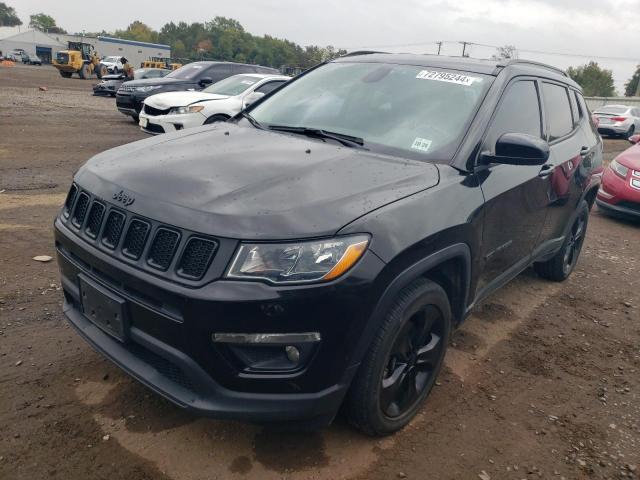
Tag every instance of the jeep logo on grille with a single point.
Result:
(123, 198)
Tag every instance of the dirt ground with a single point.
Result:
(543, 381)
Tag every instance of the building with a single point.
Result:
(46, 46)
(135, 52)
(31, 41)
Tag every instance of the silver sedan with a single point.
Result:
(618, 120)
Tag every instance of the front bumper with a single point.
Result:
(619, 128)
(129, 104)
(169, 345)
(620, 196)
(169, 123)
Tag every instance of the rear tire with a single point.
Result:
(216, 119)
(403, 361)
(562, 264)
(84, 71)
(630, 132)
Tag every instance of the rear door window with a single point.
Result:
(518, 112)
(558, 110)
(218, 72)
(269, 86)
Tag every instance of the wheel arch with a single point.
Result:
(450, 267)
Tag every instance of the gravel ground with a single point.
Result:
(541, 382)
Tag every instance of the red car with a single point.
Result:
(619, 191)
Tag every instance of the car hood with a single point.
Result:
(630, 158)
(241, 182)
(163, 101)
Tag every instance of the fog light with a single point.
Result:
(293, 354)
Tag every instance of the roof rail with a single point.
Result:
(361, 52)
(516, 61)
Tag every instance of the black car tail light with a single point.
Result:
(163, 248)
(94, 221)
(113, 229)
(135, 239)
(196, 258)
(80, 210)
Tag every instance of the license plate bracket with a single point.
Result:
(143, 122)
(104, 309)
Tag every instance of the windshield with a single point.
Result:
(420, 112)
(232, 86)
(188, 71)
(613, 110)
(111, 59)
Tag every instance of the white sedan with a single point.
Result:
(172, 111)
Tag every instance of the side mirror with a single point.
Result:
(204, 81)
(634, 139)
(518, 149)
(252, 97)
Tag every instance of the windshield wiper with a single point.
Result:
(252, 120)
(346, 140)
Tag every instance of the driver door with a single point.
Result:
(515, 195)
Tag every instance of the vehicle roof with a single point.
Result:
(261, 76)
(475, 65)
(211, 62)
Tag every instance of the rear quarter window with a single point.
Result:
(558, 110)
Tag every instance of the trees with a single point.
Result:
(45, 23)
(8, 17)
(631, 87)
(595, 81)
(507, 52)
(139, 31)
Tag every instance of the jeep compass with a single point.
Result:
(315, 252)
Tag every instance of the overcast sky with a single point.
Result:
(593, 28)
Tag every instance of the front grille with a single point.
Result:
(94, 222)
(126, 88)
(152, 127)
(154, 111)
(152, 246)
(113, 229)
(163, 248)
(80, 211)
(135, 239)
(163, 366)
(196, 257)
(630, 205)
(71, 197)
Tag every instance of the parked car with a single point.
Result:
(618, 120)
(193, 76)
(619, 193)
(111, 83)
(113, 64)
(317, 249)
(168, 112)
(31, 59)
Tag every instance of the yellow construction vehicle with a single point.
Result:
(161, 62)
(80, 58)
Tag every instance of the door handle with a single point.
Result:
(584, 151)
(546, 170)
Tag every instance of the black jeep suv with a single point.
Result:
(318, 250)
(192, 76)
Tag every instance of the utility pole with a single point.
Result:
(464, 47)
(439, 46)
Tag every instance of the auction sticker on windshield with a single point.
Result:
(447, 77)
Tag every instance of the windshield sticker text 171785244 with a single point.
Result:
(447, 77)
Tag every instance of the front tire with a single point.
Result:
(216, 119)
(630, 132)
(403, 361)
(84, 71)
(560, 266)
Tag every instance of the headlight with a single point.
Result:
(619, 169)
(320, 260)
(148, 88)
(183, 110)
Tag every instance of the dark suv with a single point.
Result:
(318, 250)
(192, 76)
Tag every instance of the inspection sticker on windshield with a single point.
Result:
(447, 77)
(421, 144)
